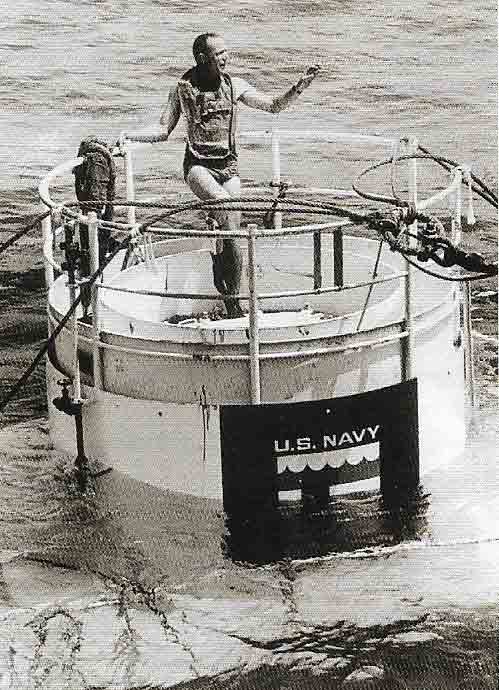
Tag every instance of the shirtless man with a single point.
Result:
(207, 97)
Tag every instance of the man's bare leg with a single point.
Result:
(227, 263)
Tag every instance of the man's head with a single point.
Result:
(209, 50)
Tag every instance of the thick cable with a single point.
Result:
(444, 162)
(486, 195)
(45, 347)
(23, 231)
(300, 205)
(238, 203)
(250, 205)
(441, 276)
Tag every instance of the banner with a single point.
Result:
(301, 454)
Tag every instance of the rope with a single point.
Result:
(23, 231)
(242, 204)
(389, 229)
(446, 163)
(11, 394)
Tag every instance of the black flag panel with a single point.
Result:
(310, 448)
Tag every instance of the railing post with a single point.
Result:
(338, 257)
(130, 187)
(468, 345)
(276, 168)
(254, 341)
(457, 294)
(458, 210)
(317, 260)
(407, 353)
(70, 249)
(469, 365)
(93, 232)
(47, 244)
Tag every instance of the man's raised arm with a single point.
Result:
(261, 101)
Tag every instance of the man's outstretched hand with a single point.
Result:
(308, 77)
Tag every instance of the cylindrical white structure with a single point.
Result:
(159, 377)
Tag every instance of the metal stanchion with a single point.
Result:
(458, 210)
(71, 252)
(74, 407)
(47, 244)
(254, 344)
(338, 257)
(276, 169)
(317, 260)
(130, 186)
(93, 231)
(468, 340)
(407, 354)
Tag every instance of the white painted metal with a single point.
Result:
(254, 339)
(468, 346)
(119, 427)
(457, 225)
(155, 378)
(49, 262)
(47, 250)
(74, 327)
(288, 231)
(166, 362)
(129, 182)
(319, 136)
(454, 186)
(58, 171)
(93, 235)
(276, 167)
(408, 345)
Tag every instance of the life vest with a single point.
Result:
(95, 183)
(210, 116)
(95, 178)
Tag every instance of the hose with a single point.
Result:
(24, 231)
(51, 339)
(485, 193)
(446, 162)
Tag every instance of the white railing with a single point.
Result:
(252, 234)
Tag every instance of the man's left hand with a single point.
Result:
(308, 77)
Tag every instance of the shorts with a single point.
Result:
(221, 169)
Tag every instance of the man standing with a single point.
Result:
(207, 97)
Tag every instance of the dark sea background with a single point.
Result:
(73, 68)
